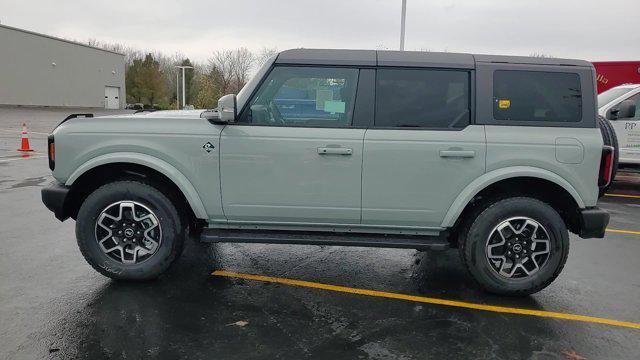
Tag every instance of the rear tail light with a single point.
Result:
(606, 166)
(51, 149)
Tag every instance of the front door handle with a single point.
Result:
(457, 153)
(335, 151)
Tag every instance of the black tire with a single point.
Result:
(473, 251)
(171, 236)
(609, 138)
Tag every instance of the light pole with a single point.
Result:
(402, 21)
(184, 98)
(177, 91)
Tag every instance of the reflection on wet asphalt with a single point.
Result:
(188, 313)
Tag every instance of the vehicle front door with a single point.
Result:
(293, 156)
(628, 132)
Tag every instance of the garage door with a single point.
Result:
(111, 97)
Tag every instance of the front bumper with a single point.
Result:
(593, 223)
(54, 198)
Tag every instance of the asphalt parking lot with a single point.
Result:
(54, 305)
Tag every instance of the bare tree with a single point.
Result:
(264, 54)
(221, 69)
(243, 62)
(226, 71)
(230, 69)
(540, 55)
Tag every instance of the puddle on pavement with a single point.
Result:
(35, 181)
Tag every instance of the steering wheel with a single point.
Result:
(275, 114)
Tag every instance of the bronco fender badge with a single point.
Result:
(208, 147)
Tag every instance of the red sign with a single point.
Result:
(614, 73)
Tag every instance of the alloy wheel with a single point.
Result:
(128, 232)
(518, 247)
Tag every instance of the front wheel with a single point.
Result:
(516, 246)
(128, 230)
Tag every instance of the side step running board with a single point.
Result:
(323, 238)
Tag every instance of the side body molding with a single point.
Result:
(501, 174)
(161, 166)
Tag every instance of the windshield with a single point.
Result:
(611, 94)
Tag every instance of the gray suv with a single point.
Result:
(498, 157)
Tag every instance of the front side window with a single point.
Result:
(304, 96)
(536, 96)
(422, 98)
(635, 99)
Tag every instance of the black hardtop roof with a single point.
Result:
(338, 57)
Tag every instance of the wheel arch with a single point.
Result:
(524, 181)
(102, 169)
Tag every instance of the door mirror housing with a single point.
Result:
(227, 108)
(225, 113)
(212, 115)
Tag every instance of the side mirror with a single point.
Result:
(212, 115)
(227, 108)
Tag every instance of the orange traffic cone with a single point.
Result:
(25, 139)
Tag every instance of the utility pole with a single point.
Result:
(177, 91)
(402, 21)
(184, 97)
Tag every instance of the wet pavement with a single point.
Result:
(53, 305)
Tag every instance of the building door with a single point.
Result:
(111, 97)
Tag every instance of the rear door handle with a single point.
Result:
(457, 153)
(335, 151)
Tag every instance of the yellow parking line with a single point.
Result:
(428, 300)
(624, 196)
(623, 231)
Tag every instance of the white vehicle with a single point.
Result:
(618, 105)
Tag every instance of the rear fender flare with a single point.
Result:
(494, 176)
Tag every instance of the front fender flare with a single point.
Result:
(178, 178)
(494, 176)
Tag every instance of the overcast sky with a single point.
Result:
(587, 29)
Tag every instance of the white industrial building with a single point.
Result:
(41, 70)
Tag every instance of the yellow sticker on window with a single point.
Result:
(504, 104)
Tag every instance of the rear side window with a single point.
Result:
(422, 98)
(536, 96)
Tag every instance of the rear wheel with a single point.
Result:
(129, 230)
(516, 246)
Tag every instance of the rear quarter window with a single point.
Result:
(536, 96)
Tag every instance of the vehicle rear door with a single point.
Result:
(294, 156)
(422, 150)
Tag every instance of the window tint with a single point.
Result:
(422, 98)
(304, 96)
(536, 96)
